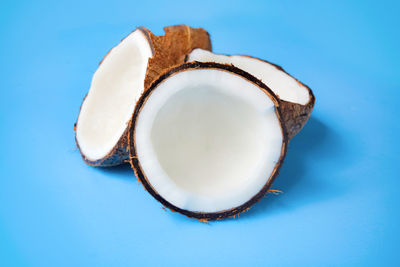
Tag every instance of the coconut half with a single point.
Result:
(207, 140)
(297, 99)
(122, 76)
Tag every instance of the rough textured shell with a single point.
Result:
(295, 115)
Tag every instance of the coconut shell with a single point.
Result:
(172, 48)
(295, 115)
(135, 162)
(168, 50)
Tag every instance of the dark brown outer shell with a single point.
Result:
(135, 163)
(294, 115)
(168, 50)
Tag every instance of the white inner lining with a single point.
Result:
(116, 85)
(282, 84)
(208, 140)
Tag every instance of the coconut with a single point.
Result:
(296, 99)
(207, 140)
(122, 76)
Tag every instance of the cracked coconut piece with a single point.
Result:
(122, 76)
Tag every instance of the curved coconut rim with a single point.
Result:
(204, 216)
(118, 152)
(305, 108)
(146, 34)
(311, 100)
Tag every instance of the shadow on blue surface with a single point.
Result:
(300, 187)
(123, 171)
(317, 143)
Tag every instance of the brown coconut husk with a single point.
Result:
(169, 50)
(135, 163)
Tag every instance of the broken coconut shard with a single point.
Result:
(207, 140)
(296, 99)
(122, 76)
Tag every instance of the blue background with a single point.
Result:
(341, 176)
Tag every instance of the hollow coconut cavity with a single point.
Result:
(207, 140)
(296, 99)
(122, 76)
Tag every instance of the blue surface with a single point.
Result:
(340, 179)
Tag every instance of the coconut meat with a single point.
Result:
(207, 140)
(282, 84)
(115, 87)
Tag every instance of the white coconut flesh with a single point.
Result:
(115, 87)
(281, 83)
(208, 140)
